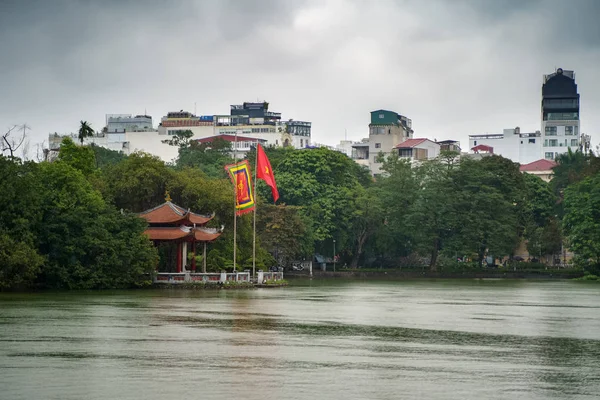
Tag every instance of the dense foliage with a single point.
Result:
(72, 223)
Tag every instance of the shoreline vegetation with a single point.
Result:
(416, 274)
(71, 223)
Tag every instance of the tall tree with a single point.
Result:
(582, 219)
(85, 130)
(398, 190)
(367, 219)
(486, 205)
(431, 215)
(323, 182)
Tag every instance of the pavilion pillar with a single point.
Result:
(184, 246)
(194, 256)
(179, 257)
(204, 258)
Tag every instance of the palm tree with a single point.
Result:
(85, 130)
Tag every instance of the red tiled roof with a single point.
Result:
(409, 143)
(539, 165)
(177, 233)
(483, 147)
(169, 213)
(230, 138)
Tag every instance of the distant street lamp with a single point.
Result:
(333, 255)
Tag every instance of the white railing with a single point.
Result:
(263, 276)
(188, 277)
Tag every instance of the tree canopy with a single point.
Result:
(72, 223)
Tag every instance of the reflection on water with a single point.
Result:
(315, 340)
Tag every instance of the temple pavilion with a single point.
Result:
(171, 223)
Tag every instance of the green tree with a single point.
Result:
(540, 226)
(85, 130)
(137, 183)
(581, 221)
(367, 219)
(486, 201)
(284, 233)
(431, 216)
(180, 139)
(572, 167)
(105, 157)
(211, 158)
(87, 243)
(81, 158)
(398, 190)
(323, 182)
(19, 263)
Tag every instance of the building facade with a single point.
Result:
(121, 123)
(541, 168)
(178, 121)
(256, 120)
(127, 134)
(560, 128)
(418, 150)
(560, 114)
(511, 143)
(386, 130)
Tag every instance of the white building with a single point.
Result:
(345, 146)
(511, 143)
(119, 123)
(129, 134)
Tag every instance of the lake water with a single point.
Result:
(314, 340)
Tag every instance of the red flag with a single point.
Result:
(265, 172)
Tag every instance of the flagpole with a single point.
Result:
(235, 203)
(254, 222)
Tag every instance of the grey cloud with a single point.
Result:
(454, 67)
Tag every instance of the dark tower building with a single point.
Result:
(560, 113)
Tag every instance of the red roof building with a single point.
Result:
(539, 165)
(409, 143)
(483, 148)
(541, 168)
(169, 222)
(418, 149)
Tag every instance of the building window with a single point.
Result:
(381, 116)
(552, 142)
(301, 142)
(549, 156)
(377, 145)
(276, 142)
(568, 130)
(574, 143)
(531, 140)
(576, 130)
(475, 143)
(550, 131)
(405, 153)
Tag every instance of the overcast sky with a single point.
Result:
(454, 67)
